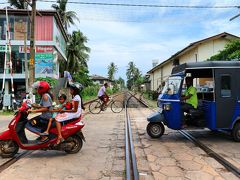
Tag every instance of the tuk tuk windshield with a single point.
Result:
(172, 85)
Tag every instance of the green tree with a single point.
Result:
(67, 17)
(134, 77)
(112, 69)
(121, 82)
(230, 52)
(82, 76)
(19, 4)
(77, 52)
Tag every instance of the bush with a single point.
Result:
(90, 91)
(153, 95)
(52, 82)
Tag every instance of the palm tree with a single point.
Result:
(19, 4)
(133, 75)
(130, 74)
(121, 82)
(77, 52)
(67, 17)
(112, 69)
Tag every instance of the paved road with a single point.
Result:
(102, 156)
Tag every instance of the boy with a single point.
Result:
(62, 102)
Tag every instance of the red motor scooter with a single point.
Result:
(15, 137)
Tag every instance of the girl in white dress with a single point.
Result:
(75, 112)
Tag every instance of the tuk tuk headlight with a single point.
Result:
(167, 107)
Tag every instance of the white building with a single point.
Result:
(195, 52)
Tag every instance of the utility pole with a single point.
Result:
(26, 61)
(32, 48)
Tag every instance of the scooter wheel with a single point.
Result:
(8, 148)
(155, 130)
(77, 144)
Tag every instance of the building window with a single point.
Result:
(226, 86)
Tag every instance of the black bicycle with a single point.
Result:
(97, 106)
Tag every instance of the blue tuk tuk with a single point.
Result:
(219, 102)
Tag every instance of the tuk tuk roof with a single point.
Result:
(181, 69)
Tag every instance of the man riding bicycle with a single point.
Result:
(102, 95)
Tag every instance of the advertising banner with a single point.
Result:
(44, 63)
(19, 29)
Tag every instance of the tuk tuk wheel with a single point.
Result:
(236, 132)
(155, 130)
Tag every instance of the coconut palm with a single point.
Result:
(133, 75)
(19, 4)
(67, 17)
(121, 82)
(77, 52)
(112, 69)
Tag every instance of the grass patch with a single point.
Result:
(151, 103)
(6, 113)
(88, 98)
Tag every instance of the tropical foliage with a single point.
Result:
(230, 52)
(52, 82)
(77, 52)
(112, 69)
(134, 76)
(19, 4)
(67, 17)
(82, 76)
(121, 82)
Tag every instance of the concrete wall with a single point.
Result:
(160, 75)
(210, 48)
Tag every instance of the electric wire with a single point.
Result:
(146, 5)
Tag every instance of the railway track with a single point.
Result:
(229, 166)
(131, 163)
(11, 161)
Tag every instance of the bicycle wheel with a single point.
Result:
(95, 107)
(117, 106)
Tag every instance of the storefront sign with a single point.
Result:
(21, 49)
(44, 49)
(39, 49)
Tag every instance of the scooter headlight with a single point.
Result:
(167, 107)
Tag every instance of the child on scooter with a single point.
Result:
(61, 106)
(75, 112)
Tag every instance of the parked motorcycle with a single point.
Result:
(14, 137)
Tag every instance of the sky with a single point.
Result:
(122, 34)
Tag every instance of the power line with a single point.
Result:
(147, 5)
